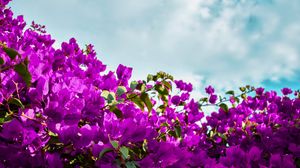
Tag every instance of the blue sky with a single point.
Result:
(226, 43)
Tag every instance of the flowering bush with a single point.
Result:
(59, 109)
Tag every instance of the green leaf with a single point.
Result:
(115, 144)
(164, 98)
(22, 70)
(130, 164)
(12, 53)
(178, 131)
(204, 99)
(172, 133)
(105, 94)
(243, 125)
(50, 133)
(111, 97)
(125, 152)
(104, 151)
(161, 109)
(224, 107)
(141, 87)
(1, 61)
(133, 85)
(161, 90)
(237, 99)
(145, 98)
(160, 74)
(2, 120)
(242, 89)
(121, 90)
(231, 92)
(244, 96)
(248, 87)
(16, 101)
(167, 85)
(138, 101)
(149, 78)
(223, 136)
(116, 111)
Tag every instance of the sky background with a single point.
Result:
(225, 43)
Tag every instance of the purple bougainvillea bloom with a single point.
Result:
(213, 98)
(12, 130)
(180, 84)
(295, 149)
(209, 90)
(109, 81)
(124, 74)
(286, 91)
(175, 100)
(185, 96)
(254, 154)
(259, 91)
(235, 157)
(189, 87)
(54, 160)
(277, 160)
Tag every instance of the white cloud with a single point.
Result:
(227, 43)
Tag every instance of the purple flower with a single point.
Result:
(235, 157)
(209, 90)
(295, 149)
(286, 91)
(180, 84)
(254, 154)
(213, 98)
(175, 100)
(185, 96)
(282, 161)
(109, 81)
(189, 87)
(12, 130)
(259, 91)
(54, 160)
(124, 74)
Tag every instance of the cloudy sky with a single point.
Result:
(226, 43)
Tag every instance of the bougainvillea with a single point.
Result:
(59, 108)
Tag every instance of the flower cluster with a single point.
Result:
(60, 108)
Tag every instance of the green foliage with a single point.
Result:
(12, 53)
(22, 70)
(125, 152)
(230, 92)
(121, 90)
(104, 151)
(16, 101)
(133, 85)
(116, 111)
(224, 107)
(145, 98)
(1, 61)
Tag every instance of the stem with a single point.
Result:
(225, 100)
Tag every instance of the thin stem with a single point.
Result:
(226, 100)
